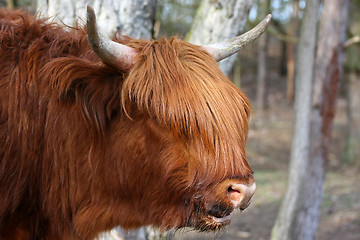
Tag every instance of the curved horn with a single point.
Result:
(110, 52)
(222, 50)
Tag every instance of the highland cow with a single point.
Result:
(96, 133)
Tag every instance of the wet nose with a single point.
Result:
(240, 194)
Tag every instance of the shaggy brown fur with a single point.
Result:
(86, 147)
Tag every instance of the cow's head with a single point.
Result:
(179, 146)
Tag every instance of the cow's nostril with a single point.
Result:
(230, 189)
(235, 195)
(240, 194)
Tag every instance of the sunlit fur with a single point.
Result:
(86, 147)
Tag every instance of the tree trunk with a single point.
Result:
(261, 65)
(137, 18)
(286, 222)
(292, 29)
(352, 150)
(3, 3)
(62, 11)
(130, 17)
(261, 74)
(10, 4)
(290, 66)
(236, 77)
(216, 21)
(328, 71)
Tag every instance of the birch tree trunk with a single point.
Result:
(286, 222)
(137, 18)
(134, 18)
(261, 64)
(302, 223)
(216, 21)
(328, 71)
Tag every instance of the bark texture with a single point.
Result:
(299, 214)
(134, 18)
(286, 222)
(327, 74)
(261, 94)
(292, 31)
(137, 18)
(261, 74)
(216, 21)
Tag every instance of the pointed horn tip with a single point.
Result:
(90, 13)
(91, 28)
(89, 8)
(268, 18)
(264, 23)
(112, 53)
(226, 48)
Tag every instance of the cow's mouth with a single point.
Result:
(220, 214)
(221, 220)
(215, 218)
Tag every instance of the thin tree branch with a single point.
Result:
(351, 41)
(282, 37)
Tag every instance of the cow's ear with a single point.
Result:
(92, 87)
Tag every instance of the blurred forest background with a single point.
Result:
(303, 79)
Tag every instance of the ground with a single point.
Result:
(268, 151)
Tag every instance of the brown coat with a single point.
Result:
(85, 146)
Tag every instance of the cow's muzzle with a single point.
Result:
(240, 194)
